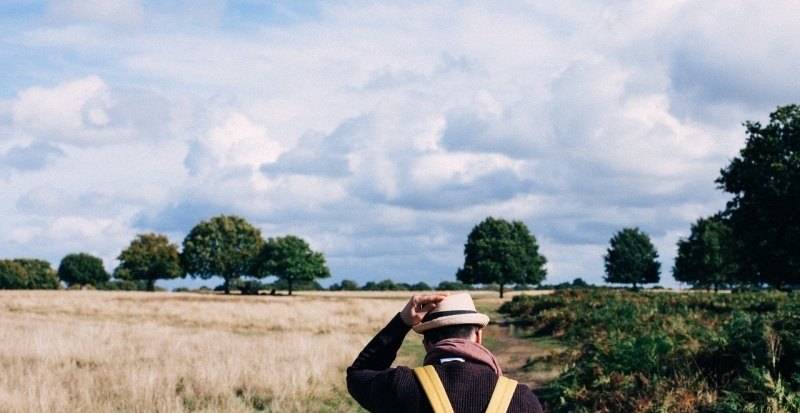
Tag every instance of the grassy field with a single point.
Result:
(95, 351)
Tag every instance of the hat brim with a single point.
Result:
(477, 319)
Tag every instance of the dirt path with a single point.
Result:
(513, 353)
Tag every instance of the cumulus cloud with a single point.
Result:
(383, 133)
(87, 111)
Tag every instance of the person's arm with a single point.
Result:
(368, 376)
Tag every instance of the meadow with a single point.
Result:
(99, 351)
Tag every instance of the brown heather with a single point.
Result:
(95, 351)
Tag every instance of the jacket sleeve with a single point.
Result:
(369, 378)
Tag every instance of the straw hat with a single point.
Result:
(455, 309)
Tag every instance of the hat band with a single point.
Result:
(434, 316)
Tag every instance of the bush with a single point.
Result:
(251, 287)
(454, 286)
(643, 351)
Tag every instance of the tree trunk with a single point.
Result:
(716, 288)
(227, 285)
(501, 290)
(290, 285)
(151, 284)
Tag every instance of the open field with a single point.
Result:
(95, 351)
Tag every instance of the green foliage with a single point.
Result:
(707, 258)
(765, 210)
(41, 275)
(13, 276)
(149, 257)
(251, 287)
(638, 352)
(300, 285)
(225, 246)
(345, 285)
(420, 286)
(454, 286)
(28, 273)
(631, 259)
(502, 252)
(82, 270)
(385, 285)
(290, 259)
(124, 285)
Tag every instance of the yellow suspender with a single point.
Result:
(433, 389)
(501, 397)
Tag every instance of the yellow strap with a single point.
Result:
(433, 389)
(501, 397)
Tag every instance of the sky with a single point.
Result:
(380, 132)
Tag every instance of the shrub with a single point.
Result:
(645, 351)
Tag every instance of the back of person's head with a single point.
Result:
(466, 331)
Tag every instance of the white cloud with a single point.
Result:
(384, 133)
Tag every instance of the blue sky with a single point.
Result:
(380, 133)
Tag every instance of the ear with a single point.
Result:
(479, 336)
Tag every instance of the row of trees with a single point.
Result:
(226, 246)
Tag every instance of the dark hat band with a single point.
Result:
(434, 316)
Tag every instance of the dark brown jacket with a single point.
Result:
(380, 388)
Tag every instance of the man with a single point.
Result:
(452, 333)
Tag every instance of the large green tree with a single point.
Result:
(224, 246)
(82, 269)
(149, 257)
(13, 276)
(765, 210)
(707, 257)
(502, 252)
(291, 260)
(631, 259)
(41, 275)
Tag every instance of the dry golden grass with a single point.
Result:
(98, 351)
(93, 351)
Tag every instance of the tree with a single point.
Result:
(765, 210)
(706, 258)
(631, 259)
(149, 257)
(13, 276)
(290, 259)
(225, 246)
(82, 269)
(41, 275)
(420, 286)
(502, 252)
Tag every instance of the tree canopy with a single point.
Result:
(41, 275)
(502, 252)
(290, 259)
(224, 246)
(765, 210)
(82, 269)
(707, 257)
(149, 257)
(632, 259)
(13, 276)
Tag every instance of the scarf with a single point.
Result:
(466, 349)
